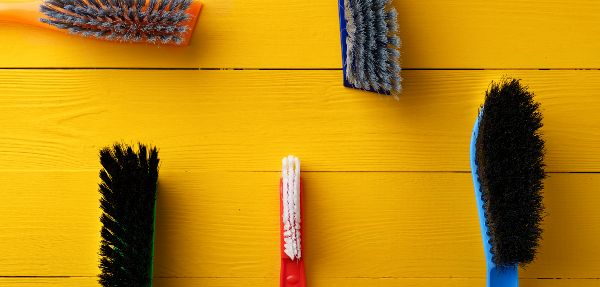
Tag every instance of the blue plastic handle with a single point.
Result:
(343, 36)
(497, 276)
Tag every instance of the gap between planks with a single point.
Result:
(288, 69)
(272, 281)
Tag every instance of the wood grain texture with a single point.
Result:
(359, 225)
(246, 120)
(388, 194)
(325, 282)
(301, 34)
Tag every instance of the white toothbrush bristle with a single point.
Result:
(290, 175)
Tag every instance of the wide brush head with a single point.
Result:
(151, 21)
(370, 45)
(290, 198)
(128, 189)
(509, 156)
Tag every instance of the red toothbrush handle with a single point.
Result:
(292, 271)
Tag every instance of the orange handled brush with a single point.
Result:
(151, 21)
(290, 190)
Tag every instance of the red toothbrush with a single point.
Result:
(290, 210)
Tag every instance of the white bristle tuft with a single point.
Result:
(291, 206)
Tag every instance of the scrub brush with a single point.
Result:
(150, 21)
(370, 45)
(290, 190)
(128, 203)
(507, 153)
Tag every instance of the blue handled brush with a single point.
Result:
(370, 45)
(507, 166)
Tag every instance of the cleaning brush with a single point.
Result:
(370, 45)
(507, 153)
(128, 203)
(150, 21)
(290, 194)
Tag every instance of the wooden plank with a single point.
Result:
(358, 225)
(301, 34)
(246, 120)
(266, 33)
(355, 282)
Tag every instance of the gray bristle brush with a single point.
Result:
(168, 22)
(370, 45)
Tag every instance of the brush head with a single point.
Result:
(290, 197)
(509, 155)
(128, 190)
(372, 60)
(151, 21)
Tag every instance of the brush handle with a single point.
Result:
(23, 13)
(292, 271)
(343, 36)
(194, 11)
(497, 276)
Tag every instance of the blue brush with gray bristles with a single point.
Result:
(370, 45)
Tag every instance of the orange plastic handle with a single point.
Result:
(24, 13)
(194, 10)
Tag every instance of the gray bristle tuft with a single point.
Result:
(150, 21)
(373, 46)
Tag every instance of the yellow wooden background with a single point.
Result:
(389, 199)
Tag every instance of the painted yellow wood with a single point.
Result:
(389, 199)
(305, 34)
(246, 120)
(358, 225)
(325, 282)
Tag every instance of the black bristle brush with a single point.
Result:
(370, 45)
(507, 164)
(150, 21)
(128, 202)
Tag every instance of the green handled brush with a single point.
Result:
(507, 164)
(128, 203)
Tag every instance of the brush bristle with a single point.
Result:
(152, 21)
(128, 190)
(290, 175)
(510, 154)
(373, 46)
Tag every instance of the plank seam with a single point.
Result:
(288, 69)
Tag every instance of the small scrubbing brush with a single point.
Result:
(290, 190)
(507, 153)
(370, 45)
(128, 189)
(150, 21)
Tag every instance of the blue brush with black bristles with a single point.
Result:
(370, 45)
(507, 153)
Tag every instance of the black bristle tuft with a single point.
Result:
(510, 158)
(120, 20)
(372, 46)
(128, 195)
